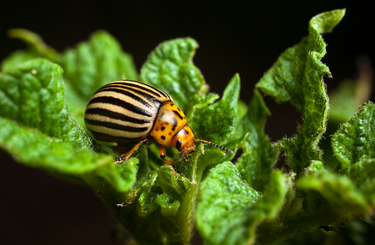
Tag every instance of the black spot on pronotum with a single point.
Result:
(186, 132)
(178, 114)
(172, 104)
(163, 137)
(178, 144)
(162, 128)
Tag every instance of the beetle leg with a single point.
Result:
(162, 156)
(125, 156)
(149, 140)
(120, 148)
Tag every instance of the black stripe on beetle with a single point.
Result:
(155, 98)
(128, 94)
(178, 114)
(115, 115)
(143, 87)
(115, 126)
(122, 103)
(158, 90)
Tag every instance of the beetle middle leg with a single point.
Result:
(162, 156)
(123, 157)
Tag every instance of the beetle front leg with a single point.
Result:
(162, 156)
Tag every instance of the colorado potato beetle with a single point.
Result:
(135, 112)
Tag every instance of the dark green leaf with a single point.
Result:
(17, 58)
(168, 205)
(170, 68)
(121, 176)
(354, 142)
(217, 122)
(201, 102)
(36, 48)
(229, 209)
(34, 148)
(362, 175)
(147, 203)
(241, 110)
(343, 102)
(339, 191)
(97, 62)
(354, 147)
(35, 44)
(33, 95)
(37, 128)
(297, 77)
(183, 190)
(255, 165)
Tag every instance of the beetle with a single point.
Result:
(134, 112)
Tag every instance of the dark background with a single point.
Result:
(237, 36)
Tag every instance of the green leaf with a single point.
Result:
(230, 210)
(96, 62)
(255, 165)
(17, 58)
(217, 122)
(354, 142)
(224, 199)
(343, 102)
(88, 67)
(147, 203)
(33, 95)
(362, 175)
(354, 147)
(36, 48)
(344, 198)
(297, 77)
(241, 110)
(38, 130)
(35, 44)
(183, 191)
(160, 206)
(170, 68)
(36, 149)
(121, 176)
(202, 101)
(169, 206)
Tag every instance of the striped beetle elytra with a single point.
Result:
(129, 112)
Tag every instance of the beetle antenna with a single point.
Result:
(216, 145)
